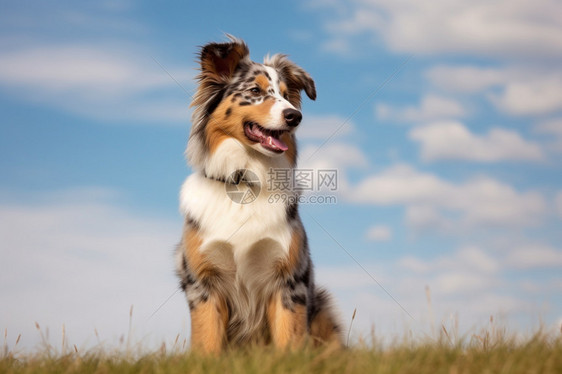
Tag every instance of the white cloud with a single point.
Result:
(501, 29)
(477, 202)
(471, 259)
(379, 233)
(552, 127)
(414, 264)
(476, 258)
(320, 127)
(99, 81)
(535, 256)
(332, 155)
(431, 107)
(424, 217)
(514, 90)
(465, 78)
(455, 282)
(337, 156)
(453, 141)
(83, 262)
(534, 97)
(344, 277)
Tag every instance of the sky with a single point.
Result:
(442, 119)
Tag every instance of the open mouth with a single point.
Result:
(269, 139)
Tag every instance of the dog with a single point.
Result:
(245, 266)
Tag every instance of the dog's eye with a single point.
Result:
(286, 96)
(255, 90)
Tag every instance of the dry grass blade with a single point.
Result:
(350, 325)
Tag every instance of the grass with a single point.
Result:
(491, 351)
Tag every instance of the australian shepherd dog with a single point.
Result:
(245, 265)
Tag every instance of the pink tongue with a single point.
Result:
(274, 143)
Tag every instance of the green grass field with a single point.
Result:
(487, 352)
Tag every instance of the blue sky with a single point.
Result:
(444, 121)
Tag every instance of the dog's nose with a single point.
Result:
(292, 117)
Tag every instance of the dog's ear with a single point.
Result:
(294, 76)
(220, 60)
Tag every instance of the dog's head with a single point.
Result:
(256, 105)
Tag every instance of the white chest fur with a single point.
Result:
(221, 219)
(244, 240)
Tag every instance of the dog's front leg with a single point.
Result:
(209, 312)
(208, 325)
(287, 321)
(287, 309)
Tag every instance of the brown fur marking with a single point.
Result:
(208, 325)
(192, 242)
(288, 327)
(283, 88)
(219, 129)
(323, 329)
(262, 82)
